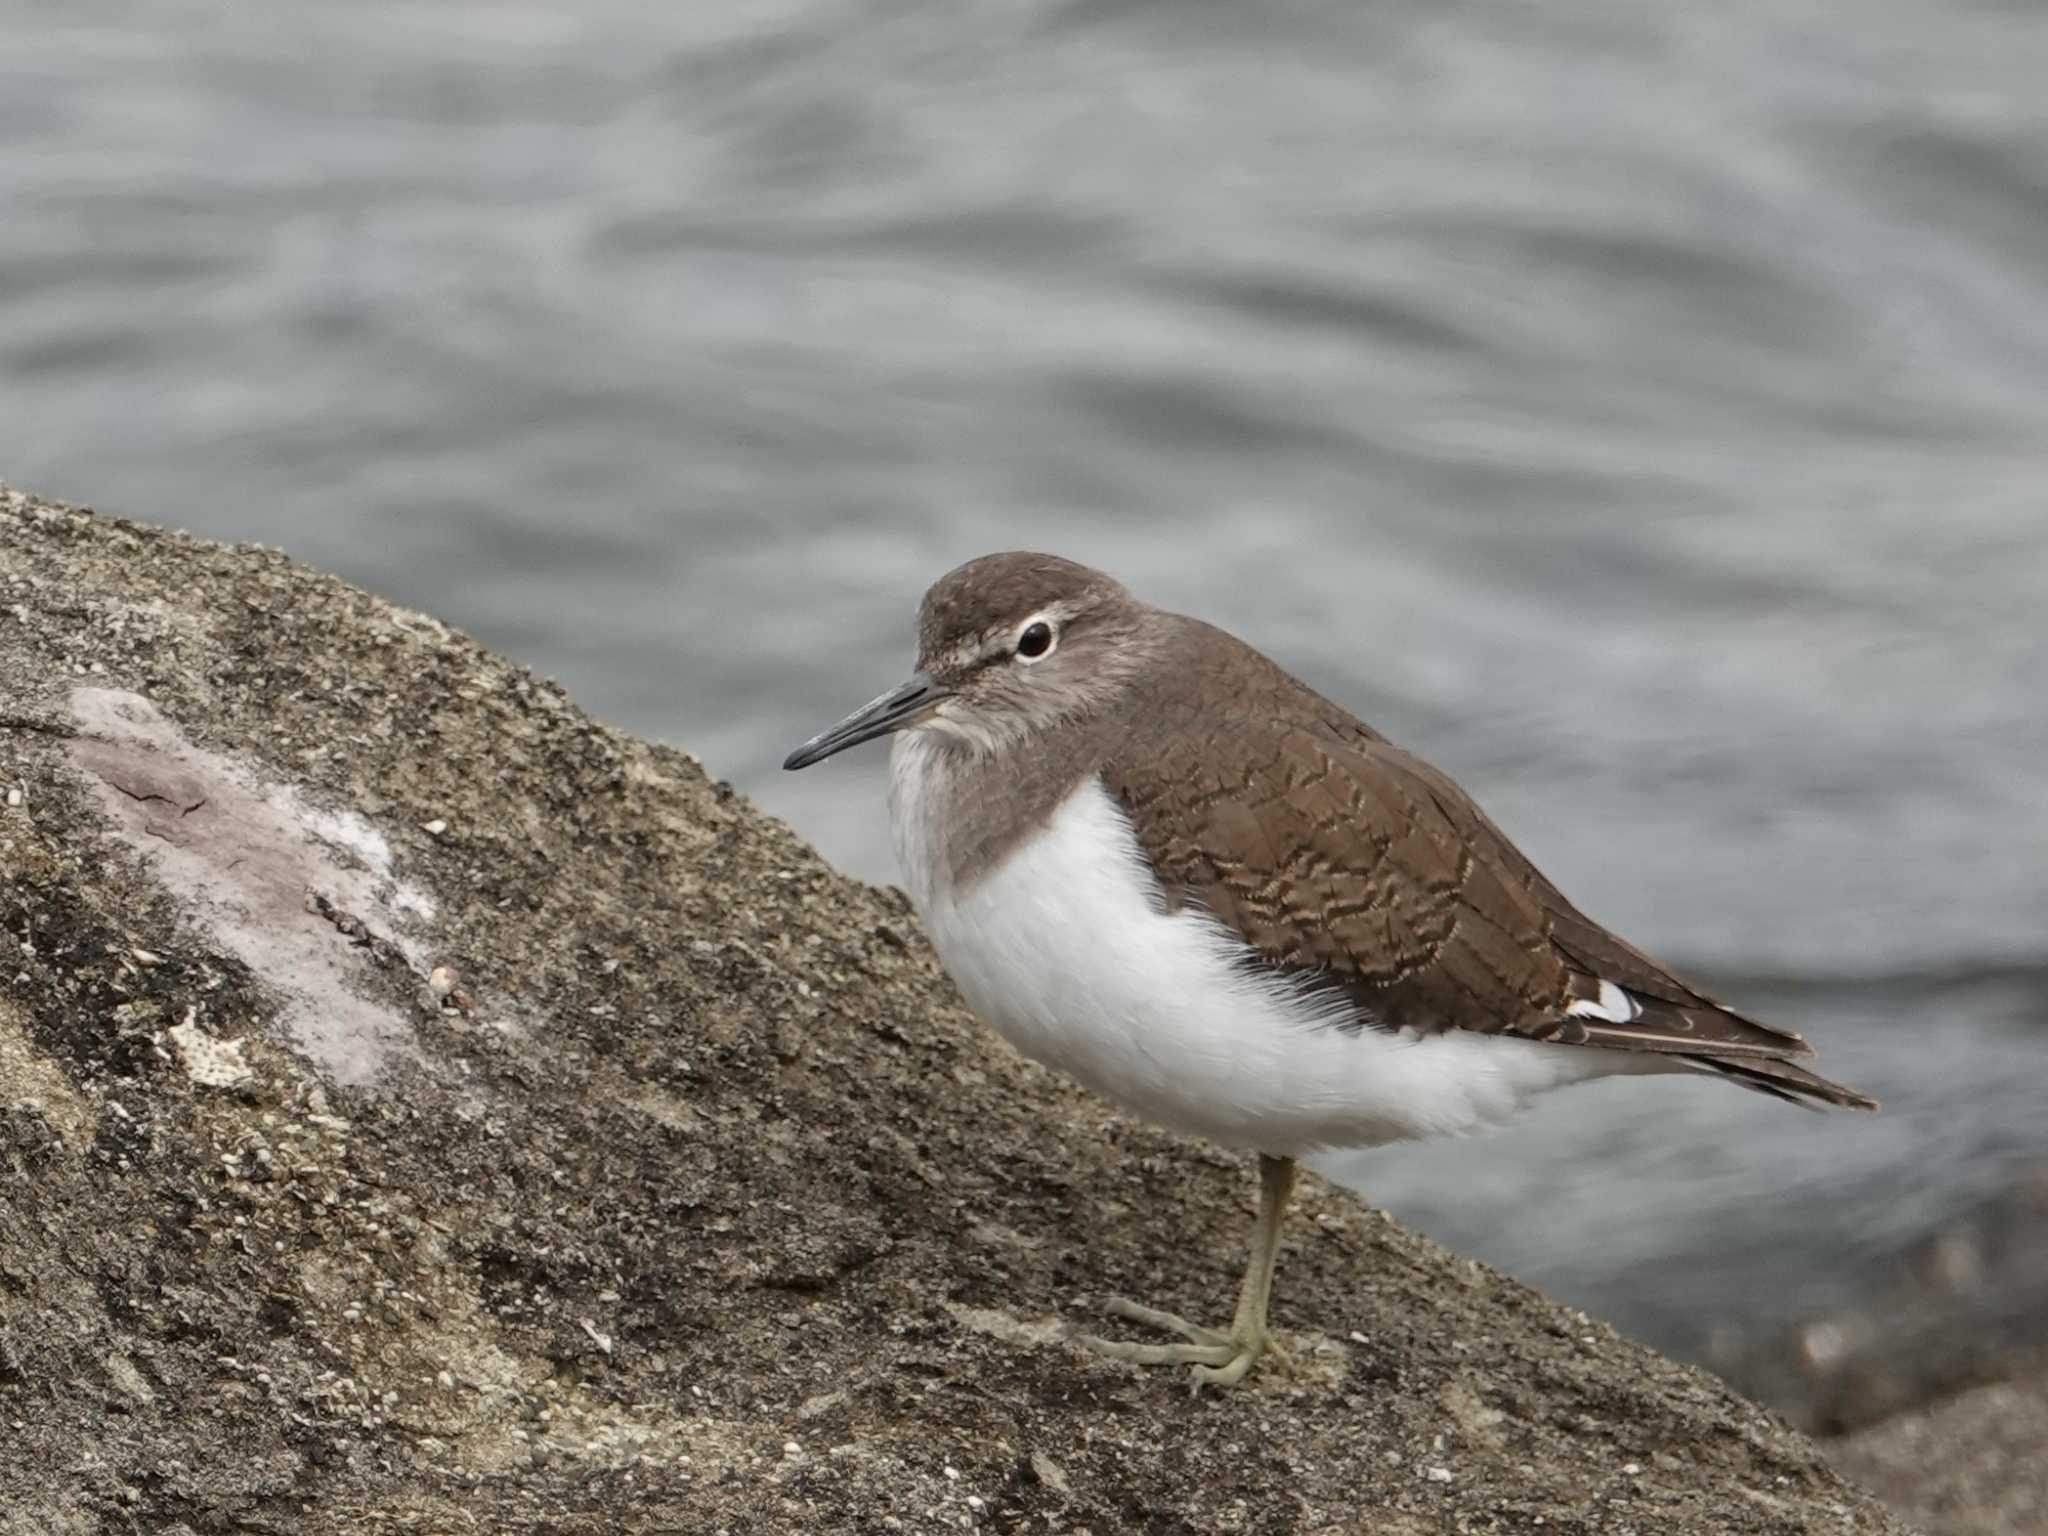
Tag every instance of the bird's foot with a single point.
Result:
(1219, 1359)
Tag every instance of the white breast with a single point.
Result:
(1066, 950)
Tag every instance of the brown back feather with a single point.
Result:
(1353, 864)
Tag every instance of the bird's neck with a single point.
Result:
(958, 812)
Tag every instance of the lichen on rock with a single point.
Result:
(571, 1150)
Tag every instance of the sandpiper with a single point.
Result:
(1152, 859)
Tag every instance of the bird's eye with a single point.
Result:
(1035, 641)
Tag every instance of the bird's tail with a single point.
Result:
(1782, 1080)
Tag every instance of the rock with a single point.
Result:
(1969, 1465)
(700, 1160)
(1953, 1309)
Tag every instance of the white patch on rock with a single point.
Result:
(207, 1061)
(349, 831)
(239, 854)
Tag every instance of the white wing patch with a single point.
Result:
(1613, 1005)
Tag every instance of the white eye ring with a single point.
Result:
(1036, 641)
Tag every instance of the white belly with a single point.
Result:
(1065, 950)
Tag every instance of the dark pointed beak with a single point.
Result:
(891, 712)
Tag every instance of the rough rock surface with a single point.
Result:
(1968, 1465)
(425, 1109)
(1963, 1306)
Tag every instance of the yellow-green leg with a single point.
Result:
(1219, 1359)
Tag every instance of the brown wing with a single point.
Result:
(1355, 865)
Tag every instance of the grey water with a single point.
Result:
(1641, 410)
